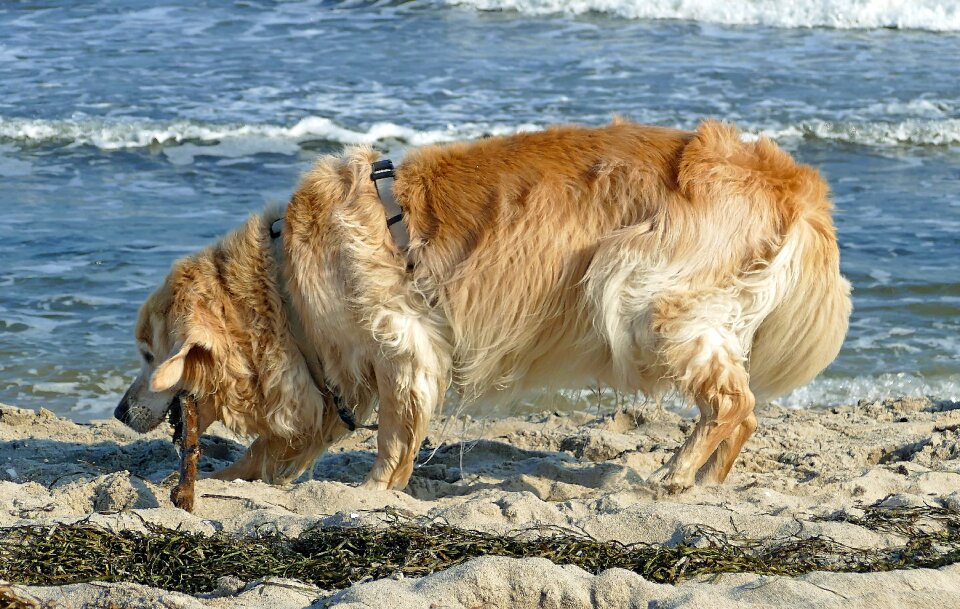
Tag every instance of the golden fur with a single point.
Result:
(646, 258)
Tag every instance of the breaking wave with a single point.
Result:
(911, 132)
(117, 135)
(256, 138)
(841, 14)
(839, 391)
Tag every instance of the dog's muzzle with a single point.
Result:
(122, 411)
(140, 418)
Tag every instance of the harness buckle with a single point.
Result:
(381, 169)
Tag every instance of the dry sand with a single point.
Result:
(580, 471)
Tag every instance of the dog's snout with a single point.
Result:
(122, 411)
(142, 411)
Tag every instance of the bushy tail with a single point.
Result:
(804, 331)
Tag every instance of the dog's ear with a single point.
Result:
(169, 373)
(200, 330)
(202, 325)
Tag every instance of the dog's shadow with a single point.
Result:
(53, 463)
(450, 470)
(464, 468)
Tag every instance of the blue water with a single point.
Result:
(131, 135)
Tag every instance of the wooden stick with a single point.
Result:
(183, 493)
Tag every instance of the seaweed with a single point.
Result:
(336, 557)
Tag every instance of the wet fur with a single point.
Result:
(645, 258)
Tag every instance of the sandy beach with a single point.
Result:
(805, 474)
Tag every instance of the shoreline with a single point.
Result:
(805, 474)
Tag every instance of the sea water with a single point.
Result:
(132, 134)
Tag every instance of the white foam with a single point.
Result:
(834, 391)
(116, 135)
(94, 407)
(65, 388)
(822, 392)
(34, 324)
(59, 267)
(921, 108)
(911, 132)
(931, 15)
(183, 141)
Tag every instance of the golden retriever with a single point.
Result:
(646, 258)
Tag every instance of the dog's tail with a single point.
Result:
(796, 304)
(805, 328)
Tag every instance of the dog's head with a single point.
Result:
(177, 334)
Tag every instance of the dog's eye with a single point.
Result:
(147, 357)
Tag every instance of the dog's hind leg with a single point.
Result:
(705, 359)
(719, 464)
(406, 405)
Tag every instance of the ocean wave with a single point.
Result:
(910, 132)
(188, 139)
(921, 107)
(98, 402)
(839, 391)
(841, 14)
(118, 135)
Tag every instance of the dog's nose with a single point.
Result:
(122, 412)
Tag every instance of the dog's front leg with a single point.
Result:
(248, 467)
(274, 459)
(406, 403)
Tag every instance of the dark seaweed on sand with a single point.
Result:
(337, 557)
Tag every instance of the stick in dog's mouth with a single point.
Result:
(184, 418)
(175, 418)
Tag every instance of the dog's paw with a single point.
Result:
(374, 485)
(665, 482)
(666, 488)
(675, 487)
(659, 475)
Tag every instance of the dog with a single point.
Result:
(645, 258)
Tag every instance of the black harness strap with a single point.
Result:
(384, 170)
